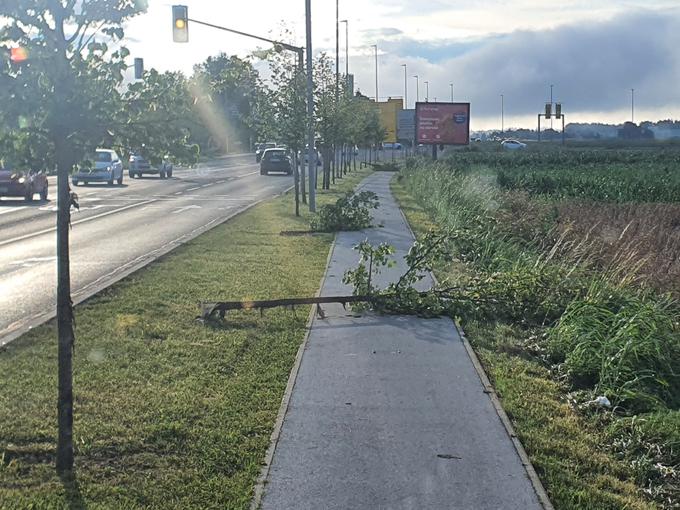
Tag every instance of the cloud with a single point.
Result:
(592, 65)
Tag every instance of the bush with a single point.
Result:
(351, 212)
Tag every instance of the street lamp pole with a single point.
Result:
(346, 22)
(427, 91)
(632, 105)
(451, 91)
(375, 47)
(502, 115)
(417, 88)
(405, 87)
(311, 159)
(551, 107)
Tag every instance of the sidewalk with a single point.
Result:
(388, 412)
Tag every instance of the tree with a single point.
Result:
(65, 98)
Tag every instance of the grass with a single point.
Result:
(169, 413)
(572, 451)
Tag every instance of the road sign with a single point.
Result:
(443, 123)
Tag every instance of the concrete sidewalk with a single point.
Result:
(388, 412)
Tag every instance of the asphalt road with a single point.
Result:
(118, 229)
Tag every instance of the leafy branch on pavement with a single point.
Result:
(351, 212)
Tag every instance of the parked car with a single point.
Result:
(138, 166)
(23, 184)
(513, 145)
(275, 160)
(261, 148)
(106, 167)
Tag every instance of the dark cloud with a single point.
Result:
(592, 65)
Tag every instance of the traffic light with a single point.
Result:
(548, 110)
(558, 110)
(18, 55)
(180, 23)
(139, 68)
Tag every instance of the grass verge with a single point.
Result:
(169, 413)
(567, 449)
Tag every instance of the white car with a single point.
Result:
(513, 145)
(105, 167)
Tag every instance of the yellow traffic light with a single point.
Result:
(180, 23)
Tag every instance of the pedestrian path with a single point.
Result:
(388, 412)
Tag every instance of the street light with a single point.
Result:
(551, 107)
(632, 105)
(427, 91)
(375, 47)
(417, 88)
(451, 84)
(405, 87)
(502, 115)
(346, 22)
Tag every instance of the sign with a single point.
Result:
(443, 123)
(406, 125)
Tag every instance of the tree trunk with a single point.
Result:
(302, 180)
(296, 180)
(64, 317)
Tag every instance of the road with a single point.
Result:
(117, 230)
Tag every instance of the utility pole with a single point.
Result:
(502, 115)
(427, 91)
(551, 107)
(451, 91)
(311, 157)
(405, 87)
(632, 105)
(375, 46)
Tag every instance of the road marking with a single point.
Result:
(206, 185)
(246, 175)
(186, 208)
(220, 182)
(32, 261)
(12, 209)
(53, 229)
(179, 192)
(194, 189)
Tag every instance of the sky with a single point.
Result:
(592, 55)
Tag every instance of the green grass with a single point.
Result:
(570, 451)
(169, 413)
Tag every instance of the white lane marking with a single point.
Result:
(12, 209)
(186, 208)
(90, 218)
(220, 182)
(32, 261)
(194, 189)
(246, 175)
(179, 192)
(206, 185)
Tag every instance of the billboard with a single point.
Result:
(388, 118)
(406, 125)
(443, 123)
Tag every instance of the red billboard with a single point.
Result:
(443, 123)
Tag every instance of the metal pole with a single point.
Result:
(375, 46)
(564, 140)
(346, 22)
(405, 87)
(539, 127)
(427, 91)
(451, 91)
(337, 50)
(417, 88)
(551, 108)
(311, 158)
(632, 105)
(502, 115)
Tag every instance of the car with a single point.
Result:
(306, 157)
(138, 166)
(513, 145)
(107, 168)
(23, 184)
(275, 160)
(391, 145)
(261, 148)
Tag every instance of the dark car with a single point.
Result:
(275, 160)
(139, 165)
(23, 184)
(260, 150)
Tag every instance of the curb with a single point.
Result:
(540, 491)
(258, 491)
